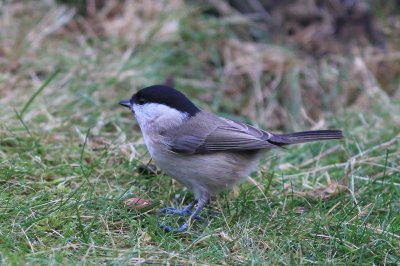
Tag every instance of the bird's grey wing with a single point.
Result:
(236, 136)
(227, 135)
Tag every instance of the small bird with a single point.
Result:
(204, 152)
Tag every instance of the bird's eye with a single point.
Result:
(141, 101)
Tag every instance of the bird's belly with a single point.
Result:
(207, 174)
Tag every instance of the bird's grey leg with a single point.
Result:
(193, 216)
(185, 211)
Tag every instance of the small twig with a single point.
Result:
(376, 181)
(377, 230)
(353, 194)
(321, 155)
(348, 244)
(360, 213)
(259, 186)
(321, 168)
(29, 242)
(382, 145)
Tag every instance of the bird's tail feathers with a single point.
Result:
(305, 136)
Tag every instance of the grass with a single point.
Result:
(69, 155)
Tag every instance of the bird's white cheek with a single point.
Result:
(157, 115)
(141, 117)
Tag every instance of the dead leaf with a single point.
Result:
(137, 203)
(146, 238)
(224, 236)
(332, 189)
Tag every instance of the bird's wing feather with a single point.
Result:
(225, 135)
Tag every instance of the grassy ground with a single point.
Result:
(69, 155)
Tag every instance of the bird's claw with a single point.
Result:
(182, 228)
(168, 228)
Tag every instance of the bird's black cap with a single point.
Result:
(166, 95)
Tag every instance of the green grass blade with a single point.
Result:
(23, 123)
(41, 88)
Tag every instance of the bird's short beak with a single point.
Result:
(125, 103)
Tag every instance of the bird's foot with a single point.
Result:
(184, 212)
